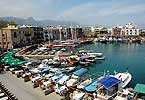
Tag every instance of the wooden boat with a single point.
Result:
(73, 61)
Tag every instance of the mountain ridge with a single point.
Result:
(32, 21)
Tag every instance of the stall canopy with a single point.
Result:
(140, 88)
(8, 58)
(80, 72)
(109, 81)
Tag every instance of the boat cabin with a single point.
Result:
(107, 87)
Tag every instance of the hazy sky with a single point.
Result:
(87, 12)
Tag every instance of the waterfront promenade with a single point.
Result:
(24, 90)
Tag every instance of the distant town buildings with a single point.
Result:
(65, 32)
(18, 36)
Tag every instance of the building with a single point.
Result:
(64, 32)
(38, 32)
(14, 36)
(129, 29)
(87, 31)
(117, 31)
(100, 32)
(19, 36)
(142, 32)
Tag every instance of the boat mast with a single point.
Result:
(60, 36)
(75, 33)
(72, 32)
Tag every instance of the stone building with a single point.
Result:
(16, 36)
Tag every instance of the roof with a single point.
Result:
(140, 88)
(80, 72)
(109, 81)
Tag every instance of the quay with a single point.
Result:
(23, 90)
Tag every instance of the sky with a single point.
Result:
(84, 12)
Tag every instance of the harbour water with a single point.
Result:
(119, 57)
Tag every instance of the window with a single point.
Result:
(127, 31)
(135, 31)
(15, 34)
(130, 31)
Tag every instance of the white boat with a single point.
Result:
(63, 79)
(97, 56)
(84, 83)
(125, 79)
(46, 84)
(57, 76)
(35, 78)
(72, 82)
(61, 90)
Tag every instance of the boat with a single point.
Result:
(46, 84)
(125, 94)
(36, 78)
(107, 87)
(125, 79)
(91, 87)
(79, 72)
(84, 83)
(76, 77)
(73, 59)
(63, 79)
(72, 82)
(91, 59)
(83, 61)
(95, 56)
(57, 76)
(67, 69)
(61, 90)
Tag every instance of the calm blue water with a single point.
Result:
(118, 57)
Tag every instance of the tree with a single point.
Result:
(4, 23)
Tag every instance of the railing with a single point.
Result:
(7, 92)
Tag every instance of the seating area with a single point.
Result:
(5, 94)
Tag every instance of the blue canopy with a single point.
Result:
(109, 81)
(91, 87)
(80, 72)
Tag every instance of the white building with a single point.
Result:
(130, 29)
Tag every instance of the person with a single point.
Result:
(85, 96)
(94, 95)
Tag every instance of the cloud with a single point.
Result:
(108, 12)
(41, 9)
